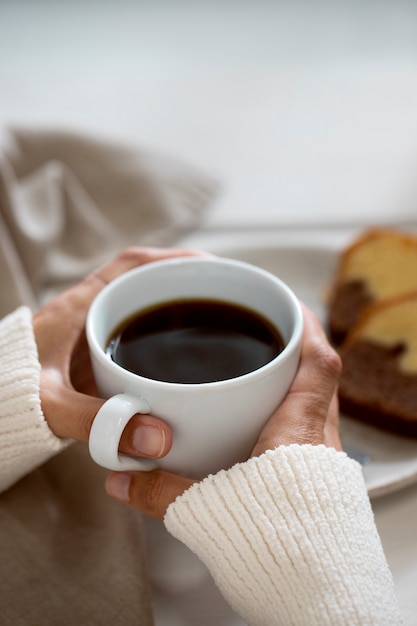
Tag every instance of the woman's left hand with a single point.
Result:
(67, 388)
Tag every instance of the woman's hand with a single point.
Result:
(67, 386)
(309, 414)
(310, 411)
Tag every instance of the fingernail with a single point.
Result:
(149, 441)
(118, 486)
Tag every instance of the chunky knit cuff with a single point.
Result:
(289, 538)
(26, 441)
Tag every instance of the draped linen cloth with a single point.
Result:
(68, 202)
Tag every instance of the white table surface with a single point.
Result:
(304, 111)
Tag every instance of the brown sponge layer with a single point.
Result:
(379, 378)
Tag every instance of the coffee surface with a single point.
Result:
(194, 341)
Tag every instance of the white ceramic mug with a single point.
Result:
(214, 424)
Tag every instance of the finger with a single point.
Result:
(320, 365)
(134, 257)
(331, 428)
(79, 298)
(144, 435)
(302, 416)
(149, 493)
(81, 376)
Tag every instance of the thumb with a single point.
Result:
(149, 493)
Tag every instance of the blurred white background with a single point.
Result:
(305, 111)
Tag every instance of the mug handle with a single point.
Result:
(107, 429)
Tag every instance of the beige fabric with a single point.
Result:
(68, 202)
(70, 555)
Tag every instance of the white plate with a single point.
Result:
(309, 271)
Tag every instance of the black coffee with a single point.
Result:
(194, 341)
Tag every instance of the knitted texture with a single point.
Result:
(26, 441)
(290, 539)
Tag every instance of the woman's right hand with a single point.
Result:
(310, 410)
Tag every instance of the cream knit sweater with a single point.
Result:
(289, 537)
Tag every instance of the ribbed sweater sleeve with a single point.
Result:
(290, 539)
(26, 441)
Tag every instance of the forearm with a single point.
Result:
(26, 441)
(290, 538)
